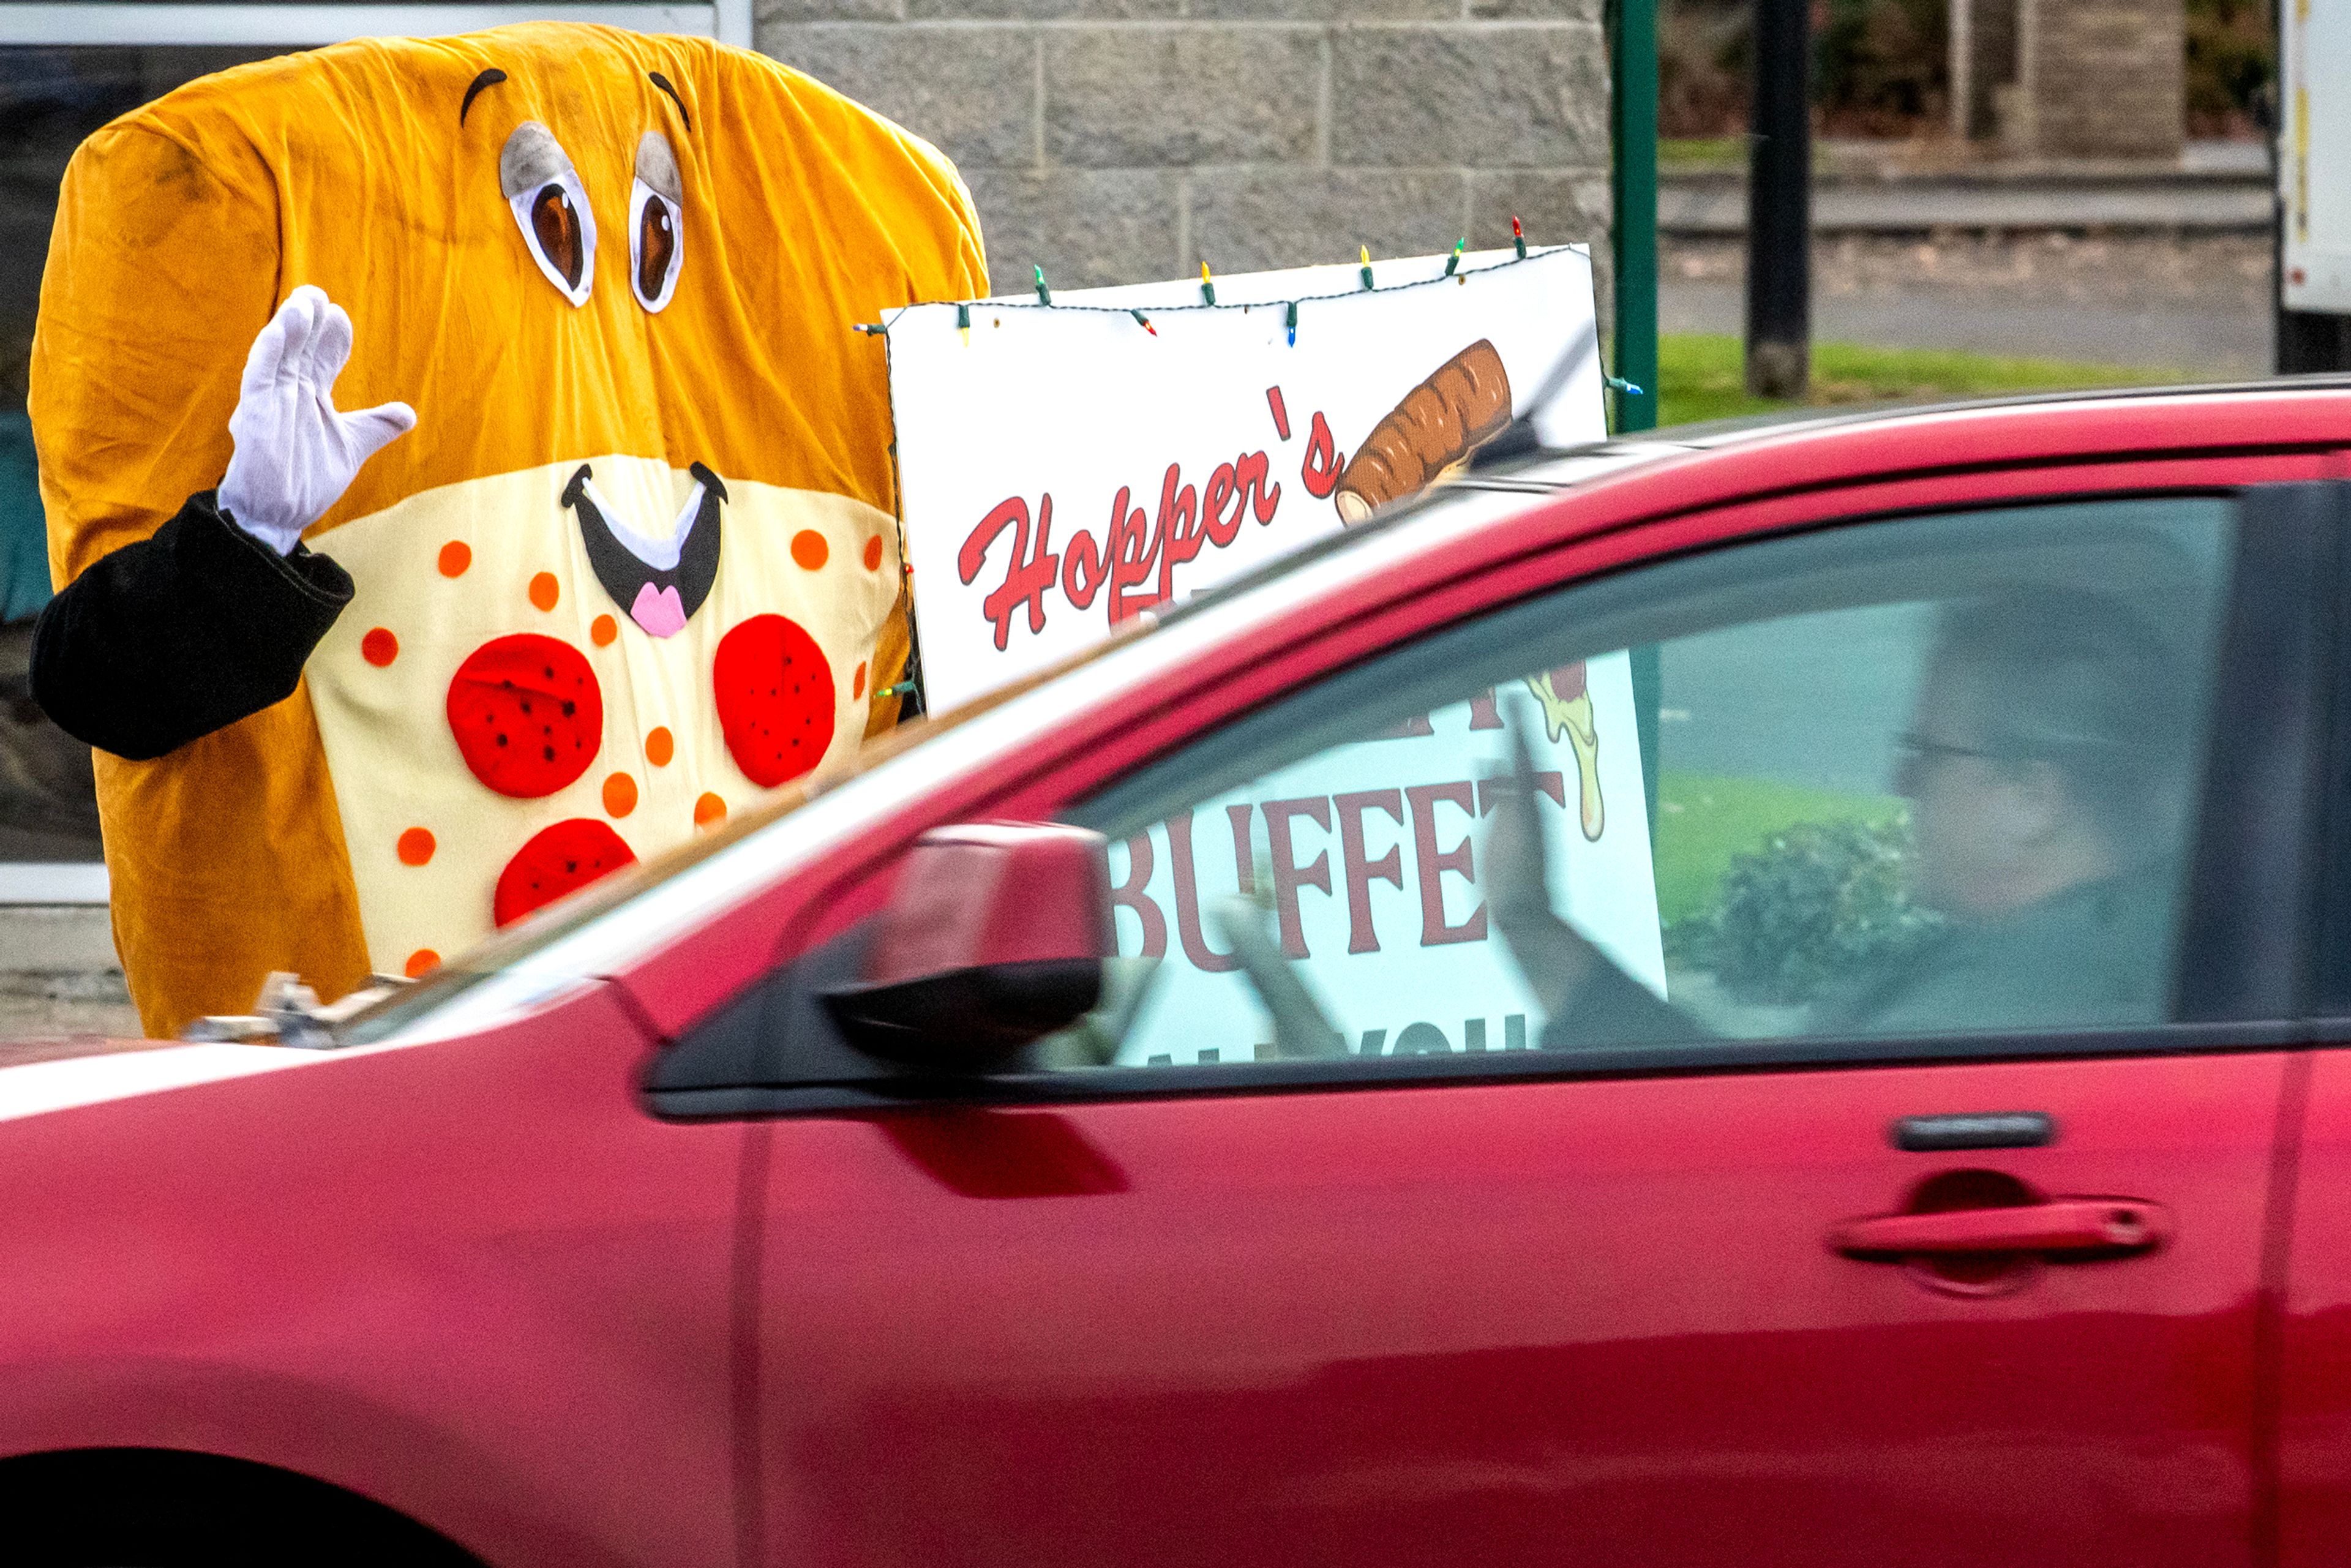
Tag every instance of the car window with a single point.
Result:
(1921, 776)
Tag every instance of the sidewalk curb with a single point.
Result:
(1715, 203)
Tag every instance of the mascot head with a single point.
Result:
(637, 564)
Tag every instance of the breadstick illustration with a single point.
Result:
(1567, 709)
(1440, 422)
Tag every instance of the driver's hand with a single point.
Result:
(1518, 861)
(1555, 958)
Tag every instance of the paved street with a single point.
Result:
(2198, 303)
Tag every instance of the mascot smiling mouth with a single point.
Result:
(660, 582)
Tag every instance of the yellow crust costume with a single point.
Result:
(636, 563)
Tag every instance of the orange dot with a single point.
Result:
(873, 553)
(602, 630)
(544, 591)
(660, 747)
(809, 549)
(416, 846)
(857, 684)
(420, 963)
(456, 557)
(378, 647)
(708, 810)
(620, 795)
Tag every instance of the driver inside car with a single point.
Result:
(2036, 768)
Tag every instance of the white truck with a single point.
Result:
(2313, 164)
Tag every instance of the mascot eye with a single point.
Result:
(556, 226)
(550, 206)
(656, 223)
(656, 248)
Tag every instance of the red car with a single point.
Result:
(1923, 1142)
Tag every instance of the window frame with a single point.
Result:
(160, 24)
(2252, 835)
(2329, 955)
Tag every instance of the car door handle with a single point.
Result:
(2063, 1227)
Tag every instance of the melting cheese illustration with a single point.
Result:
(1438, 426)
(635, 567)
(1566, 699)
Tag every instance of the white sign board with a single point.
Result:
(1062, 467)
(1367, 860)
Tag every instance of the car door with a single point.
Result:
(1842, 1132)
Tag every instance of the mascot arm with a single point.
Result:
(182, 633)
(162, 366)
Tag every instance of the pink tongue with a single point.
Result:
(661, 613)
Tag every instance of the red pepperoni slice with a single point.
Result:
(527, 714)
(775, 698)
(1567, 682)
(568, 855)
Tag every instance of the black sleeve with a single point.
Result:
(1614, 1009)
(182, 633)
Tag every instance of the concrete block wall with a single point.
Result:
(1984, 59)
(2073, 78)
(2110, 77)
(1125, 140)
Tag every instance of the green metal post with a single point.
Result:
(1632, 176)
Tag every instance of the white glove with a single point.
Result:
(296, 455)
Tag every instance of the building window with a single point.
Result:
(65, 71)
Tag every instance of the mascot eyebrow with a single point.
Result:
(494, 76)
(662, 82)
(490, 77)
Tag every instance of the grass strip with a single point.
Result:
(1702, 376)
(1706, 821)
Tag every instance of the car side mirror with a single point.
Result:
(994, 937)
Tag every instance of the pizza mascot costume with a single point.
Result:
(463, 479)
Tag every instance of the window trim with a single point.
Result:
(148, 23)
(2284, 574)
(52, 884)
(2328, 964)
(2253, 889)
(1229, 1080)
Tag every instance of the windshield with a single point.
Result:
(503, 952)
(407, 1004)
